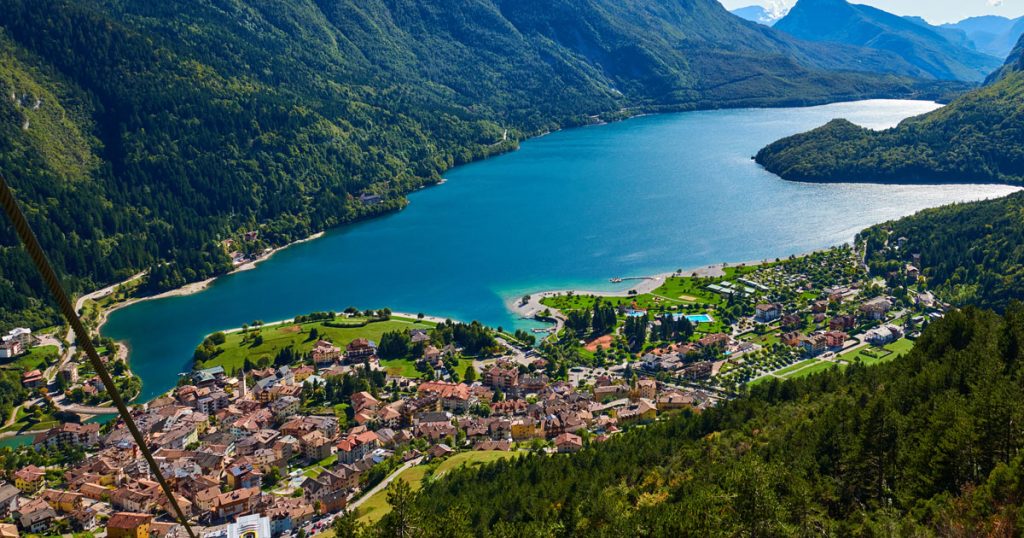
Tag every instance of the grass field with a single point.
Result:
(795, 367)
(885, 354)
(278, 337)
(377, 506)
(38, 357)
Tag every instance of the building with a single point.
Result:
(835, 339)
(8, 499)
(29, 479)
(842, 323)
(315, 445)
(33, 379)
(568, 442)
(325, 352)
(814, 344)
(881, 336)
(766, 313)
(11, 349)
(237, 502)
(876, 308)
(129, 525)
(360, 349)
(251, 526)
(647, 388)
(70, 434)
(642, 411)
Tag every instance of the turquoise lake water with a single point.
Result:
(570, 209)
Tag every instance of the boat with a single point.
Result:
(615, 280)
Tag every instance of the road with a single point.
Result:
(384, 483)
(327, 521)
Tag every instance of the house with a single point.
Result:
(698, 370)
(368, 198)
(29, 479)
(360, 349)
(208, 376)
(325, 353)
(11, 349)
(64, 502)
(8, 530)
(501, 377)
(646, 388)
(568, 442)
(791, 321)
(439, 450)
(237, 502)
(674, 400)
(912, 272)
(881, 336)
(642, 411)
(33, 379)
(70, 434)
(876, 308)
(8, 499)
(842, 323)
(814, 344)
(34, 516)
(714, 340)
(610, 392)
(243, 475)
(766, 313)
(129, 525)
(835, 339)
(315, 445)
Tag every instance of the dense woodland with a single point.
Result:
(976, 138)
(140, 135)
(970, 254)
(929, 444)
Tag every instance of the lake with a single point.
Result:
(568, 210)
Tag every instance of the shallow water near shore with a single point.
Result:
(568, 210)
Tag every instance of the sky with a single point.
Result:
(935, 11)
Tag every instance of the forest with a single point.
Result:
(144, 135)
(969, 254)
(926, 445)
(976, 138)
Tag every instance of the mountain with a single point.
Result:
(924, 445)
(837, 21)
(137, 133)
(756, 14)
(953, 35)
(991, 34)
(975, 138)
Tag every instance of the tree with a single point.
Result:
(348, 526)
(470, 375)
(402, 520)
(394, 345)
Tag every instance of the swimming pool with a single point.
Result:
(697, 318)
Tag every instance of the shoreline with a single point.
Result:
(195, 287)
(647, 284)
(431, 319)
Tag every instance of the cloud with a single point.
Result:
(776, 9)
(995, 3)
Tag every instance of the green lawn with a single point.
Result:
(278, 337)
(474, 458)
(794, 367)
(407, 367)
(37, 358)
(820, 367)
(377, 506)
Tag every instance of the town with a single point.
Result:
(284, 426)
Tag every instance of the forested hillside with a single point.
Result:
(970, 254)
(926, 445)
(926, 47)
(138, 132)
(976, 138)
